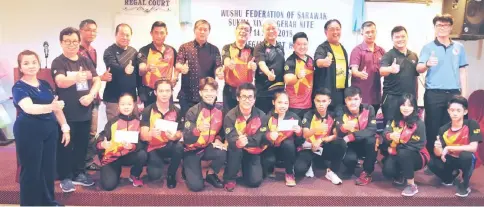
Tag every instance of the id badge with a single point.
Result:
(82, 86)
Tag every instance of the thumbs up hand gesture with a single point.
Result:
(433, 60)
(230, 63)
(364, 74)
(81, 75)
(328, 60)
(272, 75)
(220, 72)
(252, 64)
(107, 76)
(301, 74)
(56, 104)
(184, 68)
(129, 68)
(395, 66)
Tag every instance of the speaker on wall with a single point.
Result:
(468, 18)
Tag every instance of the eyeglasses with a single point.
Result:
(443, 26)
(245, 98)
(68, 42)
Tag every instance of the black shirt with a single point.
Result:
(404, 81)
(274, 58)
(73, 109)
(117, 59)
(202, 61)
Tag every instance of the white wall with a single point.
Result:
(27, 24)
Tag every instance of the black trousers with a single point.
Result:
(91, 146)
(332, 151)
(264, 104)
(229, 98)
(173, 150)
(287, 151)
(390, 106)
(299, 112)
(185, 104)
(444, 170)
(251, 166)
(362, 148)
(111, 172)
(71, 158)
(36, 142)
(436, 114)
(404, 163)
(193, 166)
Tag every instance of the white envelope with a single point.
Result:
(286, 125)
(319, 151)
(166, 126)
(127, 136)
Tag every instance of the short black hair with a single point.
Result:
(158, 24)
(398, 29)
(246, 86)
(367, 24)
(299, 35)
(123, 24)
(458, 99)
(322, 91)
(277, 94)
(127, 94)
(443, 18)
(162, 81)
(329, 22)
(86, 22)
(352, 91)
(69, 31)
(246, 23)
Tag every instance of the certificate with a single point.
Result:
(286, 125)
(166, 126)
(127, 136)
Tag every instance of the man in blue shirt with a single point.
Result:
(445, 62)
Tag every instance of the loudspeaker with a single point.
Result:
(468, 18)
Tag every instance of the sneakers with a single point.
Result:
(410, 190)
(67, 186)
(364, 179)
(93, 167)
(290, 180)
(310, 172)
(230, 186)
(331, 176)
(272, 175)
(83, 180)
(213, 180)
(137, 182)
(462, 191)
(427, 171)
(400, 181)
(455, 182)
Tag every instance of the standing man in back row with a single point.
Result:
(365, 64)
(445, 62)
(196, 60)
(269, 77)
(331, 62)
(121, 62)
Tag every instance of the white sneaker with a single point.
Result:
(331, 176)
(310, 173)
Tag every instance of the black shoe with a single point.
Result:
(171, 181)
(346, 175)
(213, 180)
(462, 191)
(399, 181)
(93, 166)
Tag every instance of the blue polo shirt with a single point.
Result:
(445, 75)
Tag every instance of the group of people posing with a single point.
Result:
(300, 111)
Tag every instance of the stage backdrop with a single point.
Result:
(292, 16)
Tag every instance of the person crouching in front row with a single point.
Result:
(356, 124)
(406, 139)
(319, 130)
(162, 141)
(118, 145)
(245, 128)
(201, 138)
